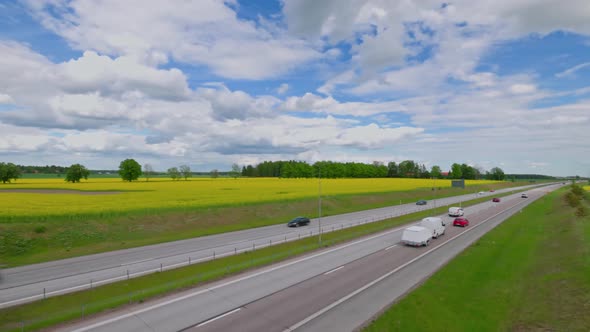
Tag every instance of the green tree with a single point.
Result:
(174, 173)
(76, 172)
(435, 172)
(456, 171)
(497, 174)
(214, 173)
(235, 171)
(129, 170)
(185, 170)
(8, 172)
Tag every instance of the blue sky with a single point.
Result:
(211, 83)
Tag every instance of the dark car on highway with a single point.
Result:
(299, 221)
(496, 200)
(461, 222)
(421, 202)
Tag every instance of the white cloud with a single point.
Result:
(282, 89)
(93, 72)
(205, 32)
(6, 99)
(571, 71)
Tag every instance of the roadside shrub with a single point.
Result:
(572, 199)
(40, 229)
(581, 211)
(577, 190)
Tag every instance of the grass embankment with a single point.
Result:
(26, 241)
(59, 309)
(531, 273)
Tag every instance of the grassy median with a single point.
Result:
(55, 310)
(531, 273)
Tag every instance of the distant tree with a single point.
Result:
(129, 170)
(497, 174)
(235, 171)
(76, 172)
(148, 171)
(174, 173)
(467, 172)
(435, 172)
(8, 172)
(214, 173)
(392, 170)
(456, 171)
(185, 171)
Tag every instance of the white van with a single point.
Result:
(455, 211)
(435, 225)
(416, 236)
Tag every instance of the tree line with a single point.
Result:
(404, 169)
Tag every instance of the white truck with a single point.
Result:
(416, 236)
(455, 211)
(435, 224)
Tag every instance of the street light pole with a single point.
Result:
(319, 205)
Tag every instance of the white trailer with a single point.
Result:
(416, 236)
(435, 225)
(455, 211)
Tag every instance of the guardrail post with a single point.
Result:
(90, 283)
(253, 246)
(44, 296)
(160, 267)
(189, 260)
(213, 254)
(127, 274)
(235, 251)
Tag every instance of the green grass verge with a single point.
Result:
(531, 273)
(31, 242)
(55, 310)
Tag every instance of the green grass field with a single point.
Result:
(35, 237)
(532, 273)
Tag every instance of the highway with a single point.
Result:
(34, 282)
(335, 289)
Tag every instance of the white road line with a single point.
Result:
(395, 245)
(199, 292)
(362, 289)
(141, 261)
(336, 269)
(219, 317)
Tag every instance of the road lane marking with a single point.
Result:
(395, 245)
(336, 269)
(141, 261)
(218, 317)
(365, 287)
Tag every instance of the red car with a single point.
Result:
(496, 200)
(461, 222)
(492, 190)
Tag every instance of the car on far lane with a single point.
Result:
(481, 193)
(421, 202)
(299, 221)
(461, 222)
(496, 200)
(524, 195)
(492, 190)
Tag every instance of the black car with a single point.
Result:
(421, 202)
(299, 221)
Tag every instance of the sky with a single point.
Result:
(210, 83)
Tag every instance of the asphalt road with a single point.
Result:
(295, 294)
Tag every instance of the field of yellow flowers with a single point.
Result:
(104, 196)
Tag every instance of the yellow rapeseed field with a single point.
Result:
(158, 194)
(587, 188)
